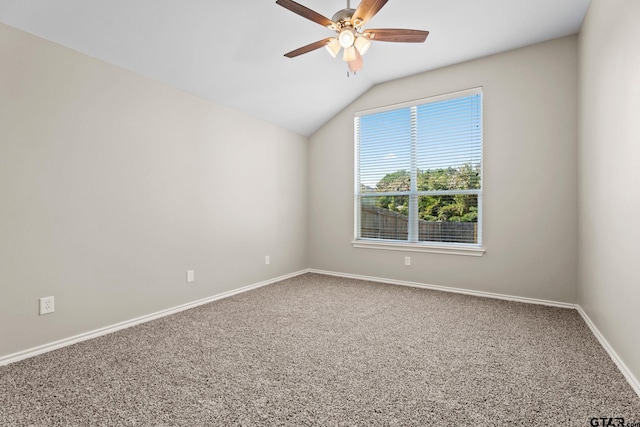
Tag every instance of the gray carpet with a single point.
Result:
(320, 350)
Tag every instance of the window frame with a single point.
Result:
(413, 245)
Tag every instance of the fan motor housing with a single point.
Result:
(343, 17)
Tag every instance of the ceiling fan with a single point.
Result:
(350, 33)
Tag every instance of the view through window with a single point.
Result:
(419, 171)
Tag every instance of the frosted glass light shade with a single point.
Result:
(362, 44)
(349, 54)
(346, 38)
(333, 47)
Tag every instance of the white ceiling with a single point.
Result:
(231, 51)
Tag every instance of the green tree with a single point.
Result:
(451, 208)
(395, 181)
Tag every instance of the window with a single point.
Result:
(419, 173)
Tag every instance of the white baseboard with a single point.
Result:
(448, 289)
(11, 358)
(631, 379)
(14, 357)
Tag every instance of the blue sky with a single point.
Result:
(449, 133)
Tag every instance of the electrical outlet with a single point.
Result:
(267, 260)
(46, 305)
(407, 260)
(191, 276)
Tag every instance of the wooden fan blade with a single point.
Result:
(305, 12)
(396, 35)
(366, 10)
(308, 48)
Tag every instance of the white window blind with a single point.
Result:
(419, 171)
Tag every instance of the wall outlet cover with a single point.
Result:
(47, 305)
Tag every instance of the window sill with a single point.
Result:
(415, 247)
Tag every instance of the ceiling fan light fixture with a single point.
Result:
(333, 47)
(362, 44)
(356, 64)
(349, 32)
(346, 38)
(349, 54)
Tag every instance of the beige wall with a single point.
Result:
(530, 178)
(609, 164)
(113, 185)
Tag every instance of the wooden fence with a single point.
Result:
(379, 223)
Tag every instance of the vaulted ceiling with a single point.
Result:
(231, 51)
